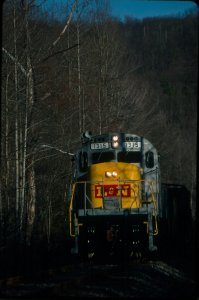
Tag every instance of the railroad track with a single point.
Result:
(153, 279)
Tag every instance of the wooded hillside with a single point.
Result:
(88, 71)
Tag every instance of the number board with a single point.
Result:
(95, 146)
(112, 190)
(136, 146)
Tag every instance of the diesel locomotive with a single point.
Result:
(115, 197)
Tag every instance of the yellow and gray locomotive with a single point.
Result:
(115, 195)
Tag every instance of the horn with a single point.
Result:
(87, 135)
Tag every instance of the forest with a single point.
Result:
(76, 68)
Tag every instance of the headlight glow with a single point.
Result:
(115, 138)
(108, 174)
(115, 141)
(114, 174)
(115, 144)
(111, 174)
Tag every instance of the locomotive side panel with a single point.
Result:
(151, 171)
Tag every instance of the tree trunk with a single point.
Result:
(49, 216)
(28, 176)
(7, 166)
(16, 118)
(31, 173)
(79, 79)
(31, 202)
(99, 110)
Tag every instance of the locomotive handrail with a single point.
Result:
(151, 171)
(135, 195)
(155, 209)
(70, 211)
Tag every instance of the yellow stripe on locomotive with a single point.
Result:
(115, 185)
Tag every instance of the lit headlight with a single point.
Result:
(114, 174)
(115, 141)
(115, 138)
(108, 174)
(115, 144)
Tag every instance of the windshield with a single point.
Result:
(129, 157)
(99, 157)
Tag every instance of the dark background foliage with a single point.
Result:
(102, 75)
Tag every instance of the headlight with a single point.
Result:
(115, 141)
(111, 174)
(115, 144)
(115, 138)
(108, 174)
(114, 174)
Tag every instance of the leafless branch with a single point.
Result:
(60, 150)
(58, 52)
(41, 158)
(14, 59)
(67, 23)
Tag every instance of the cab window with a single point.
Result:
(129, 157)
(83, 161)
(99, 157)
(149, 159)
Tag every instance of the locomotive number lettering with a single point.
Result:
(113, 190)
(95, 146)
(134, 145)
